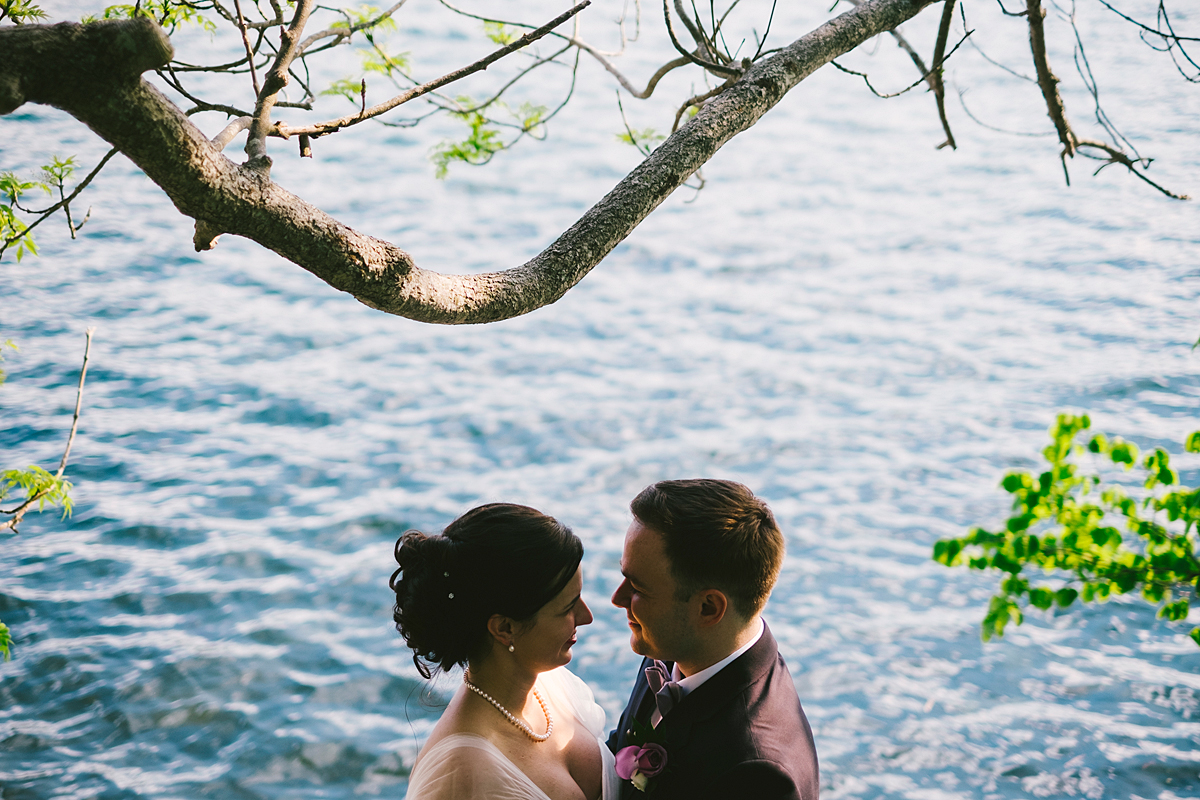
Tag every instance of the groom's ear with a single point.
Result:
(713, 606)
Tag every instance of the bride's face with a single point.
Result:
(547, 643)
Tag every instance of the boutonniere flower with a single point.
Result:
(639, 763)
(643, 760)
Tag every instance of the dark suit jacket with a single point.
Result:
(742, 733)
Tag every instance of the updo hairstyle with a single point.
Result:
(498, 558)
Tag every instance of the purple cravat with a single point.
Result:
(666, 691)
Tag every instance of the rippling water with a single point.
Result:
(865, 330)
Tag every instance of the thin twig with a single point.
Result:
(724, 72)
(345, 33)
(962, 100)
(18, 513)
(334, 125)
(621, 79)
(241, 23)
(697, 101)
(923, 79)
(1170, 35)
(87, 351)
(996, 63)
(903, 44)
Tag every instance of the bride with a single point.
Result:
(498, 593)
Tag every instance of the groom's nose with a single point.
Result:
(620, 597)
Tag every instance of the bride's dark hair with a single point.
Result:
(495, 559)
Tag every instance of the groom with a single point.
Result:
(700, 559)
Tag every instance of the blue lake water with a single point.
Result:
(867, 331)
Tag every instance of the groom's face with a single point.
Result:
(659, 622)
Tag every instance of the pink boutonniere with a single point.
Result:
(639, 763)
(643, 760)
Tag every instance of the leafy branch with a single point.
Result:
(20, 12)
(37, 484)
(1069, 524)
(13, 230)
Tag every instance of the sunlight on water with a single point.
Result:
(865, 330)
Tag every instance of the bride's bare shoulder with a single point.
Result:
(458, 718)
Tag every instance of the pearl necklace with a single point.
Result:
(520, 723)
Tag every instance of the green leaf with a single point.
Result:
(384, 63)
(364, 15)
(169, 15)
(20, 11)
(6, 642)
(1192, 445)
(38, 484)
(478, 148)
(347, 88)
(1042, 598)
(1174, 611)
(1016, 481)
(58, 171)
(1123, 452)
(1195, 634)
(1158, 467)
(1064, 597)
(947, 551)
(500, 33)
(5, 343)
(641, 138)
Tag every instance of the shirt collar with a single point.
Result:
(693, 682)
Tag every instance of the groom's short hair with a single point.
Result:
(717, 535)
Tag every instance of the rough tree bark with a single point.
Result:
(93, 72)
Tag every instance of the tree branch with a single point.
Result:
(1058, 113)
(1046, 79)
(276, 79)
(78, 68)
(939, 55)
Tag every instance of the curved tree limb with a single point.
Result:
(93, 73)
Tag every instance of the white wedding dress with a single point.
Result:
(465, 766)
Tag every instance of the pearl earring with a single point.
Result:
(512, 649)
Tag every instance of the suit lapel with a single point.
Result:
(675, 730)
